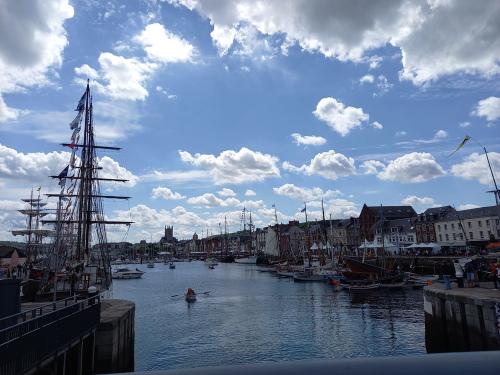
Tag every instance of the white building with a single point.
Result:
(397, 234)
(475, 227)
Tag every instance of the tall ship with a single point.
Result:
(79, 238)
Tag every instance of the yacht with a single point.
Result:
(127, 273)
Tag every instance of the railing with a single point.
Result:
(29, 342)
(477, 363)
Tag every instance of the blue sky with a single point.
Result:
(205, 96)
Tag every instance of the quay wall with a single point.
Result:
(458, 320)
(114, 344)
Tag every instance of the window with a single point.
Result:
(469, 224)
(479, 223)
(447, 237)
(445, 227)
(461, 236)
(452, 225)
(497, 221)
(440, 238)
(481, 234)
(454, 237)
(487, 222)
(471, 236)
(410, 238)
(379, 239)
(439, 227)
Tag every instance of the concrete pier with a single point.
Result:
(461, 319)
(114, 344)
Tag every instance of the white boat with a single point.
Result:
(360, 288)
(252, 259)
(151, 265)
(126, 273)
(211, 262)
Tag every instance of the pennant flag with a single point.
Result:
(462, 144)
(303, 210)
(72, 158)
(76, 122)
(62, 176)
(273, 206)
(81, 103)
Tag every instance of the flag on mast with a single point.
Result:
(81, 103)
(62, 176)
(462, 144)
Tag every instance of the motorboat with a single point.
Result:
(126, 273)
(361, 287)
(211, 266)
(251, 259)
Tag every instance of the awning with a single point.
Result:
(493, 245)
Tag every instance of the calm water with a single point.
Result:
(251, 316)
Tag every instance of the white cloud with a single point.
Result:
(308, 140)
(163, 46)
(475, 167)
(412, 168)
(330, 165)
(413, 200)
(400, 133)
(166, 193)
(112, 169)
(464, 124)
(441, 134)
(467, 206)
(305, 194)
(7, 113)
(250, 193)
(225, 192)
(367, 78)
(488, 108)
(349, 32)
(377, 125)
(126, 78)
(32, 42)
(210, 200)
(337, 116)
(177, 176)
(235, 167)
(372, 166)
(383, 85)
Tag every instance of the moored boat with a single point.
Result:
(126, 273)
(361, 287)
(252, 259)
(171, 266)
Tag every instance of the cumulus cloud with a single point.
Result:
(305, 194)
(377, 125)
(467, 206)
(488, 108)
(32, 42)
(308, 140)
(464, 124)
(330, 165)
(475, 167)
(337, 116)
(126, 77)
(235, 167)
(413, 200)
(412, 168)
(349, 32)
(166, 193)
(372, 166)
(367, 78)
(7, 113)
(225, 192)
(112, 169)
(250, 193)
(210, 200)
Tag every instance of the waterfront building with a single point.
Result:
(260, 239)
(370, 215)
(11, 256)
(353, 234)
(473, 228)
(424, 223)
(395, 235)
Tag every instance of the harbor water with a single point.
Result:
(251, 316)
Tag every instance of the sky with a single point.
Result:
(221, 105)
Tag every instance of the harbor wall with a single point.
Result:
(114, 344)
(458, 320)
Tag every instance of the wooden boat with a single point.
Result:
(190, 298)
(126, 273)
(361, 287)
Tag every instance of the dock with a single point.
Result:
(461, 319)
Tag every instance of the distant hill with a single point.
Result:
(19, 245)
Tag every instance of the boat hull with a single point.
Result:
(246, 260)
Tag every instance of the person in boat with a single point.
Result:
(190, 292)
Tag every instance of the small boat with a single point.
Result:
(285, 273)
(126, 273)
(151, 265)
(212, 267)
(171, 266)
(190, 296)
(360, 287)
(266, 269)
(252, 259)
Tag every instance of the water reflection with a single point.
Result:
(251, 317)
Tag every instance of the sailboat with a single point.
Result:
(251, 258)
(80, 239)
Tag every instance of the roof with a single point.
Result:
(392, 212)
(405, 224)
(473, 213)
(6, 251)
(438, 210)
